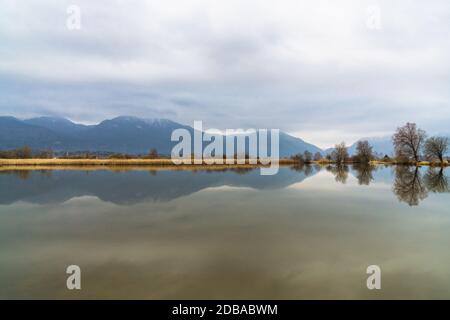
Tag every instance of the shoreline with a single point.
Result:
(163, 164)
(123, 164)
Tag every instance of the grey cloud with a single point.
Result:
(296, 65)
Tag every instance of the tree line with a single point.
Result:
(27, 153)
(411, 146)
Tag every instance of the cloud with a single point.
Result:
(309, 67)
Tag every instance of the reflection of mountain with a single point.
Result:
(131, 186)
(410, 185)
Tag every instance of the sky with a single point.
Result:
(325, 71)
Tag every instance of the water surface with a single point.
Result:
(308, 232)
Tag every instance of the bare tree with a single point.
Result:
(317, 156)
(408, 141)
(298, 157)
(24, 153)
(153, 154)
(307, 156)
(340, 153)
(364, 151)
(436, 147)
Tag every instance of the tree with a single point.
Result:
(153, 154)
(45, 154)
(307, 156)
(298, 157)
(408, 141)
(340, 153)
(317, 156)
(24, 153)
(364, 151)
(436, 147)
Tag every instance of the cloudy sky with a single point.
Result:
(325, 71)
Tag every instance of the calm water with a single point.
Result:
(306, 232)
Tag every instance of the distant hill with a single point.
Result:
(290, 145)
(381, 146)
(15, 133)
(123, 134)
(58, 125)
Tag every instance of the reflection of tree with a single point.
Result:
(307, 169)
(21, 174)
(340, 172)
(300, 166)
(436, 181)
(364, 173)
(46, 173)
(408, 185)
(242, 171)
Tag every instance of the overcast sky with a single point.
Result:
(325, 71)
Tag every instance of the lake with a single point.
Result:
(308, 232)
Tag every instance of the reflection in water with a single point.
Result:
(436, 181)
(222, 235)
(364, 173)
(409, 186)
(340, 172)
(47, 186)
(126, 187)
(306, 169)
(21, 174)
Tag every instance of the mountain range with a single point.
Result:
(123, 134)
(380, 146)
(132, 135)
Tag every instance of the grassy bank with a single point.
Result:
(118, 164)
(160, 164)
(384, 162)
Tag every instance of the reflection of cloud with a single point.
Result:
(226, 188)
(320, 181)
(301, 66)
(80, 200)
